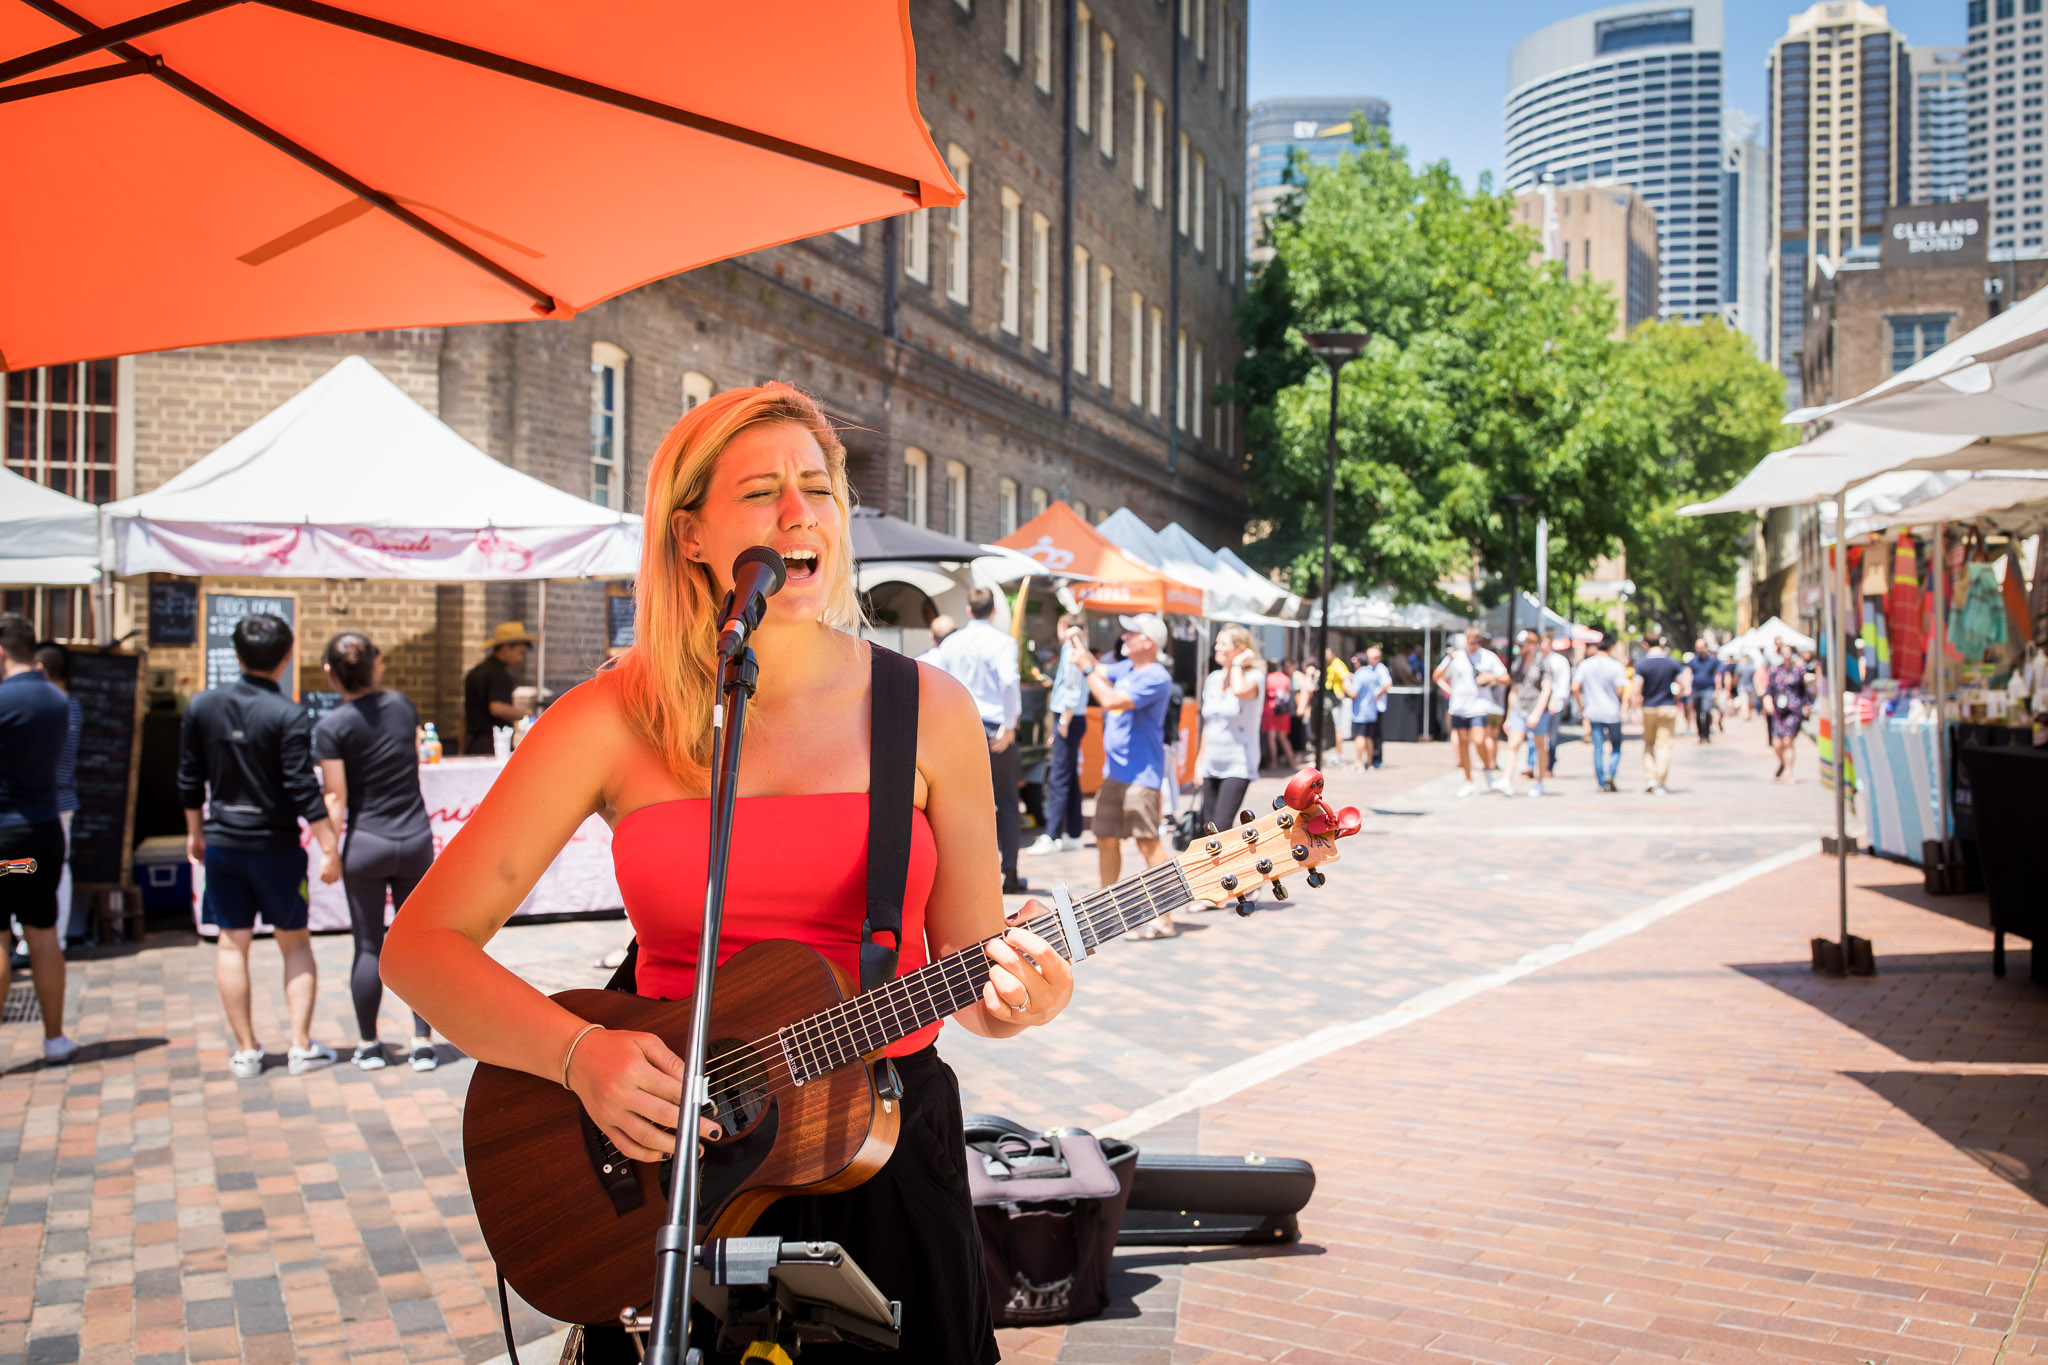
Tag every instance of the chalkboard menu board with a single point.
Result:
(224, 610)
(106, 685)
(619, 622)
(315, 705)
(173, 611)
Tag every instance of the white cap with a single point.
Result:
(1146, 624)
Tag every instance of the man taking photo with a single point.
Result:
(1132, 692)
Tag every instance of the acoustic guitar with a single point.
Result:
(804, 1103)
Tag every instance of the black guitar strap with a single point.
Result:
(892, 792)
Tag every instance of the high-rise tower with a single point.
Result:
(2004, 122)
(1631, 95)
(1941, 172)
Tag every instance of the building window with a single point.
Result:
(956, 499)
(915, 467)
(1201, 212)
(1041, 282)
(1155, 371)
(1180, 379)
(1038, 501)
(1084, 72)
(1181, 211)
(1013, 212)
(1197, 400)
(917, 245)
(1079, 285)
(1105, 116)
(956, 227)
(1041, 48)
(1105, 314)
(1137, 349)
(1137, 131)
(1080, 509)
(1201, 30)
(1158, 153)
(848, 234)
(696, 388)
(1006, 506)
(607, 424)
(60, 430)
(1917, 337)
(1186, 19)
(1013, 30)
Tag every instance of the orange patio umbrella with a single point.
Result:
(223, 170)
(1059, 539)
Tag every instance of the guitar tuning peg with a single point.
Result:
(1315, 877)
(1279, 891)
(1244, 907)
(1280, 801)
(1209, 827)
(1244, 817)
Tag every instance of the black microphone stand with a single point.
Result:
(675, 1247)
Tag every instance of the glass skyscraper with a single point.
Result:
(2005, 140)
(1631, 95)
(1276, 129)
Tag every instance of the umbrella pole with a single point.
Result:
(1939, 674)
(1428, 685)
(1838, 678)
(540, 654)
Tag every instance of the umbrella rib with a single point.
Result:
(98, 39)
(544, 302)
(590, 90)
(50, 85)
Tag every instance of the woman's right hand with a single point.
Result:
(631, 1084)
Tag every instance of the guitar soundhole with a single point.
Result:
(738, 1081)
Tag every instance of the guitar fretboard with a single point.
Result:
(832, 1039)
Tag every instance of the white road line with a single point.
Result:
(1641, 829)
(1258, 1070)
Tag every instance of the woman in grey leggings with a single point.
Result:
(369, 765)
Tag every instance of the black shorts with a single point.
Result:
(31, 897)
(1469, 722)
(1366, 729)
(243, 883)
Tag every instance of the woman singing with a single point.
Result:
(753, 466)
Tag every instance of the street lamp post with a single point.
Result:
(1516, 502)
(1336, 350)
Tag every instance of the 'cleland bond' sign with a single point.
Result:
(1935, 234)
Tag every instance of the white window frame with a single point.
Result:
(957, 236)
(697, 388)
(1222, 53)
(1185, 19)
(1039, 502)
(1006, 506)
(1158, 154)
(917, 245)
(1155, 374)
(967, 5)
(1195, 400)
(1013, 30)
(1181, 209)
(1201, 202)
(1011, 264)
(1041, 48)
(1079, 265)
(1180, 380)
(916, 492)
(1080, 509)
(1201, 30)
(1105, 319)
(1041, 282)
(1137, 350)
(1084, 68)
(956, 499)
(1137, 131)
(850, 233)
(1105, 113)
(607, 426)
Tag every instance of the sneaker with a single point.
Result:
(1016, 886)
(58, 1050)
(1504, 786)
(424, 1058)
(300, 1060)
(1071, 844)
(1661, 790)
(1467, 789)
(247, 1064)
(370, 1057)
(1044, 844)
(1536, 788)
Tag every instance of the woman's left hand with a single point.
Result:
(1028, 982)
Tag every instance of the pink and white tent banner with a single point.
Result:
(340, 551)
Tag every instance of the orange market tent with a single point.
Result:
(211, 171)
(1059, 539)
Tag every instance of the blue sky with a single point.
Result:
(1443, 65)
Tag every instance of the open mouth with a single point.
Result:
(801, 564)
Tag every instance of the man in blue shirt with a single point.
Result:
(1369, 685)
(1132, 692)
(1706, 672)
(1067, 708)
(35, 722)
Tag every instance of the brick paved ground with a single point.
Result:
(1681, 1134)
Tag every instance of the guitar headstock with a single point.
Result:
(1299, 836)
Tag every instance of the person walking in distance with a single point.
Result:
(1598, 685)
(245, 758)
(55, 661)
(1278, 725)
(984, 660)
(1464, 677)
(1370, 683)
(1233, 707)
(35, 722)
(1529, 709)
(1557, 658)
(1067, 705)
(370, 779)
(487, 688)
(1705, 684)
(1662, 682)
(1336, 703)
(1786, 695)
(1132, 692)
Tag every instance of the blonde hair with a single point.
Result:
(1235, 634)
(667, 679)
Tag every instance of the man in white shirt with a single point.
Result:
(1464, 677)
(1368, 685)
(984, 659)
(1597, 686)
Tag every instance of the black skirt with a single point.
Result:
(910, 1227)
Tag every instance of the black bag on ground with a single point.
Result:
(1179, 1199)
(1048, 1205)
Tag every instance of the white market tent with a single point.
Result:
(1849, 454)
(1752, 643)
(1271, 597)
(46, 538)
(350, 478)
(1179, 555)
(2014, 502)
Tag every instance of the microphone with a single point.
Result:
(757, 575)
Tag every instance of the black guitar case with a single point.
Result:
(1179, 1199)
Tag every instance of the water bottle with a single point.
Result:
(430, 745)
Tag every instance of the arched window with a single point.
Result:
(607, 425)
(696, 388)
(915, 469)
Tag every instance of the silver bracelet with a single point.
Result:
(571, 1054)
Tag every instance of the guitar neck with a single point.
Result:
(873, 1020)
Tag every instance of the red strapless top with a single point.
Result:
(799, 870)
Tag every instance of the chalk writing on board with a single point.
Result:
(224, 610)
(173, 611)
(620, 622)
(104, 685)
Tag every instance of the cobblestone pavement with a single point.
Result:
(1568, 1126)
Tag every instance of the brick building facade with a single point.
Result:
(1866, 322)
(1058, 336)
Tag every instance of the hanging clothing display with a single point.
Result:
(1978, 621)
(1908, 647)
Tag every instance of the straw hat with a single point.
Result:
(508, 633)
